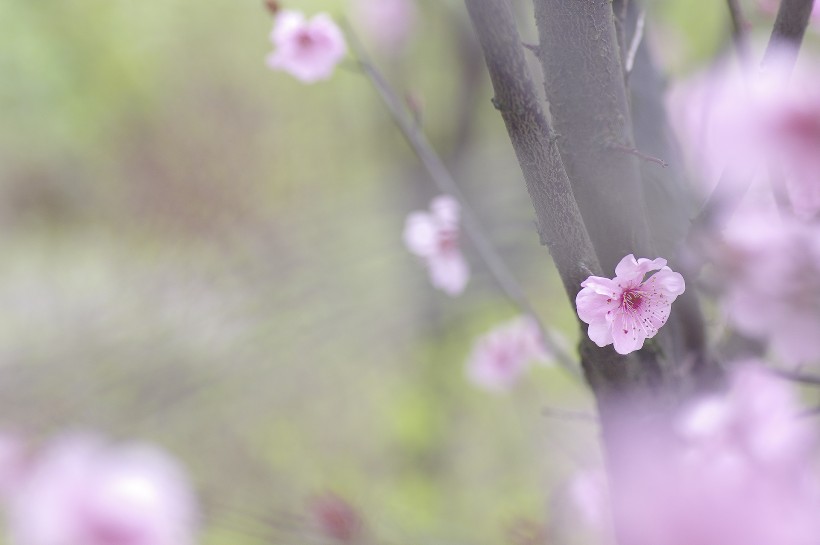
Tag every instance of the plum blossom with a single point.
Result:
(309, 50)
(500, 357)
(588, 493)
(771, 266)
(388, 23)
(84, 491)
(737, 468)
(335, 518)
(434, 236)
(630, 308)
(740, 125)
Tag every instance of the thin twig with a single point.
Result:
(739, 31)
(794, 376)
(568, 414)
(640, 155)
(445, 182)
(789, 29)
(636, 42)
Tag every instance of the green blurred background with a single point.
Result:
(197, 251)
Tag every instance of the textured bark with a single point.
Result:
(670, 203)
(588, 101)
(560, 224)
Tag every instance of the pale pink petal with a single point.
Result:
(628, 333)
(600, 333)
(421, 234)
(602, 286)
(286, 24)
(593, 307)
(666, 282)
(627, 267)
(449, 272)
(388, 23)
(446, 210)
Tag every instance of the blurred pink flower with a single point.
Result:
(737, 469)
(335, 518)
(630, 308)
(772, 274)
(500, 357)
(758, 416)
(740, 125)
(308, 50)
(14, 463)
(434, 236)
(388, 23)
(83, 491)
(588, 493)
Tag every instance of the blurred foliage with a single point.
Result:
(204, 253)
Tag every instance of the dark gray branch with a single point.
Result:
(789, 28)
(443, 179)
(588, 101)
(670, 204)
(739, 34)
(560, 223)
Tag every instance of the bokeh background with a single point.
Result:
(200, 252)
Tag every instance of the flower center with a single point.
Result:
(447, 240)
(304, 39)
(632, 300)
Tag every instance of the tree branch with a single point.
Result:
(684, 335)
(445, 182)
(584, 83)
(739, 34)
(789, 29)
(560, 224)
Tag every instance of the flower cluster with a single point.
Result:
(771, 266)
(739, 125)
(500, 357)
(735, 468)
(630, 308)
(434, 236)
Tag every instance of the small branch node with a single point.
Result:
(640, 155)
(536, 49)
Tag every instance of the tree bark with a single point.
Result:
(562, 229)
(585, 87)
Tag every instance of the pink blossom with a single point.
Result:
(589, 494)
(627, 310)
(737, 469)
(500, 357)
(83, 491)
(740, 125)
(335, 518)
(771, 266)
(758, 416)
(307, 49)
(434, 236)
(388, 23)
